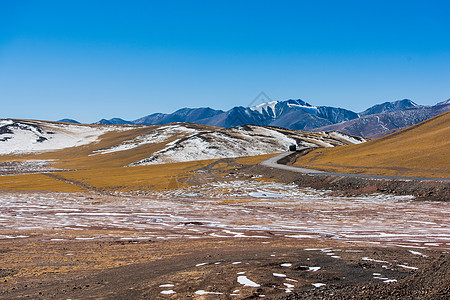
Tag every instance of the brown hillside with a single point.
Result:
(419, 150)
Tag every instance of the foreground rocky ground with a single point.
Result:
(238, 237)
(237, 232)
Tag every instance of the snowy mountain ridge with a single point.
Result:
(143, 145)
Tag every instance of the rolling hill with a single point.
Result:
(76, 146)
(419, 150)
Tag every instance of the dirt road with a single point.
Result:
(273, 163)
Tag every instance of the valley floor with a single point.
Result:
(234, 237)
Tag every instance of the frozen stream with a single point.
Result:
(234, 209)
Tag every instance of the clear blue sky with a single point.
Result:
(100, 59)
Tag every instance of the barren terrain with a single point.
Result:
(227, 235)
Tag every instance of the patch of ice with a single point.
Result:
(261, 194)
(286, 265)
(278, 275)
(168, 292)
(303, 236)
(318, 284)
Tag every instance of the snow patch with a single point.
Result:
(247, 282)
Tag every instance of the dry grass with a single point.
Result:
(419, 150)
(35, 182)
(153, 177)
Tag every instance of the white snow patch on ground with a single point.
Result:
(417, 253)
(347, 138)
(408, 267)
(160, 135)
(203, 292)
(247, 282)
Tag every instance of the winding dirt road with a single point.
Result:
(273, 162)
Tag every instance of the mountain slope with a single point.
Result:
(389, 107)
(189, 115)
(113, 121)
(419, 150)
(69, 121)
(377, 125)
(73, 146)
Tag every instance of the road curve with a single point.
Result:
(273, 163)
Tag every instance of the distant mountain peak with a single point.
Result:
(69, 121)
(113, 121)
(446, 102)
(268, 107)
(389, 107)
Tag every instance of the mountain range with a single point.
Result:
(297, 114)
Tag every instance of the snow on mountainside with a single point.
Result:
(113, 121)
(244, 140)
(300, 115)
(377, 125)
(19, 137)
(292, 114)
(266, 108)
(389, 107)
(120, 145)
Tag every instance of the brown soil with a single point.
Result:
(429, 190)
(214, 266)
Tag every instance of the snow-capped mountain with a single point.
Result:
(292, 114)
(380, 124)
(300, 115)
(389, 107)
